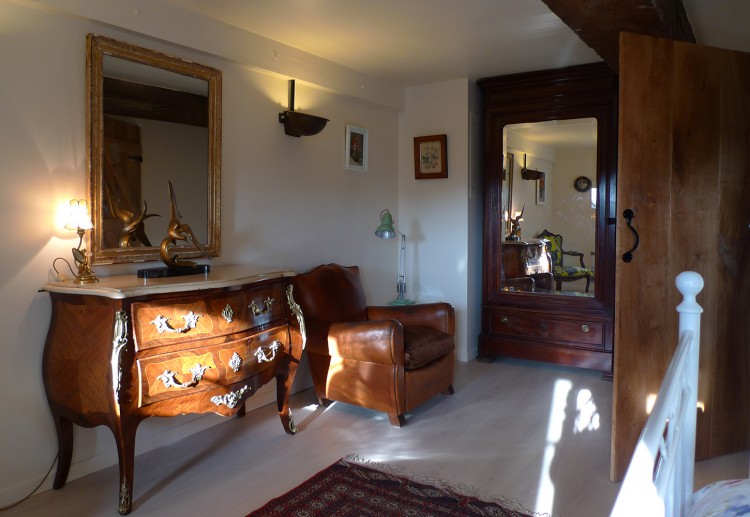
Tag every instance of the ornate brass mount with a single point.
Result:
(162, 324)
(231, 399)
(261, 355)
(169, 378)
(267, 304)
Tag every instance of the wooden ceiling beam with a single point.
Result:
(599, 22)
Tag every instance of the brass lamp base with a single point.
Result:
(86, 278)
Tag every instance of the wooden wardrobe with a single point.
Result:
(684, 171)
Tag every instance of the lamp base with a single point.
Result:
(87, 278)
(168, 272)
(401, 301)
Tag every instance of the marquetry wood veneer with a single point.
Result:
(125, 349)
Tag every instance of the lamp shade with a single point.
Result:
(78, 216)
(300, 124)
(386, 229)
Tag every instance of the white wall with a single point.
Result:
(286, 202)
(435, 214)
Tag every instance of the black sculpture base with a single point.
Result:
(167, 272)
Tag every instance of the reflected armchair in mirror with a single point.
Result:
(560, 271)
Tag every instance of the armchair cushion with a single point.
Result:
(422, 345)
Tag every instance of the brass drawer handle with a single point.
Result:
(231, 399)
(504, 319)
(260, 354)
(585, 328)
(162, 324)
(169, 378)
(267, 304)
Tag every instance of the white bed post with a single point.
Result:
(689, 283)
(659, 480)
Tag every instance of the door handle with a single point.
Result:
(629, 215)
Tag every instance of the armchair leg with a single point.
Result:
(448, 392)
(588, 282)
(397, 420)
(324, 402)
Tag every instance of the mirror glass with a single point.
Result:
(549, 187)
(154, 119)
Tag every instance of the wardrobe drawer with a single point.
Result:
(589, 333)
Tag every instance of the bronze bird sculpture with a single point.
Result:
(133, 227)
(177, 231)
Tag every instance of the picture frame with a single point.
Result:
(356, 148)
(430, 157)
(541, 189)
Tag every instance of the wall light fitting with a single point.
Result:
(300, 124)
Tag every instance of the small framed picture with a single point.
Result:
(430, 157)
(356, 148)
(541, 189)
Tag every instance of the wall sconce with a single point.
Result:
(386, 230)
(79, 220)
(300, 124)
(529, 174)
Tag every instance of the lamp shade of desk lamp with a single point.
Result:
(386, 230)
(80, 221)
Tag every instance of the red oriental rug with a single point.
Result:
(351, 487)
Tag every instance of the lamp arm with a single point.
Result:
(81, 232)
(401, 280)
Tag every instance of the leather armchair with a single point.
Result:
(390, 358)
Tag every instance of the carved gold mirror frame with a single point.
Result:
(100, 48)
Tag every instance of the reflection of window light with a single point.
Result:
(593, 197)
(545, 497)
(587, 415)
(586, 419)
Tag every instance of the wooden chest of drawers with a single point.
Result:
(125, 349)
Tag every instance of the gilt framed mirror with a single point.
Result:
(152, 119)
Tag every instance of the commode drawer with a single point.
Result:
(189, 318)
(200, 369)
(589, 333)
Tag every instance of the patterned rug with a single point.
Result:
(353, 487)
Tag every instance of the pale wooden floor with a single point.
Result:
(531, 431)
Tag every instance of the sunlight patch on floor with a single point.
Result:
(586, 419)
(587, 415)
(545, 496)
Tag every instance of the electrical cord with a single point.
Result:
(35, 489)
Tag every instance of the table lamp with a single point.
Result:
(80, 221)
(386, 230)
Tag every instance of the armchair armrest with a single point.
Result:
(439, 316)
(372, 341)
(576, 254)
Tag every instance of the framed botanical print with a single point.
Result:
(430, 157)
(356, 148)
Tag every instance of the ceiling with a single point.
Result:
(409, 43)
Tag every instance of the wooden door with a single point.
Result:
(121, 177)
(684, 171)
